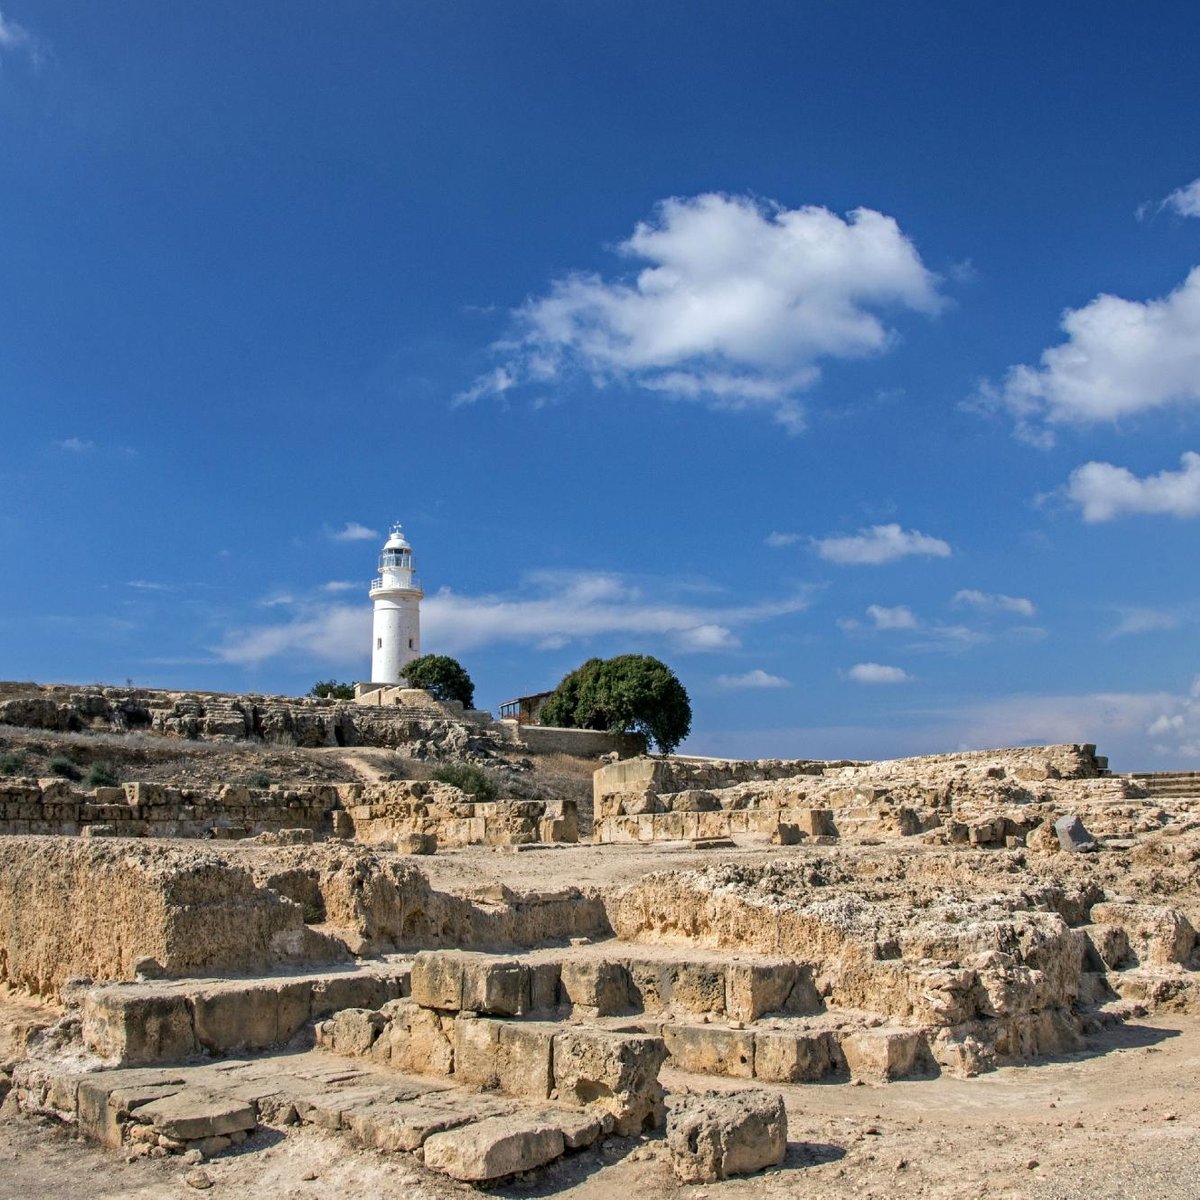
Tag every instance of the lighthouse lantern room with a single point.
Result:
(397, 596)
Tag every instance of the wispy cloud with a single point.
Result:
(877, 673)
(899, 617)
(995, 602)
(1121, 358)
(555, 609)
(1184, 200)
(150, 585)
(352, 531)
(778, 540)
(736, 304)
(1135, 620)
(1104, 492)
(880, 544)
(76, 445)
(341, 585)
(757, 678)
(16, 39)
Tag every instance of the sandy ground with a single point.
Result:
(1120, 1121)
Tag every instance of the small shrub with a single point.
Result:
(60, 764)
(11, 762)
(469, 778)
(332, 689)
(256, 779)
(101, 774)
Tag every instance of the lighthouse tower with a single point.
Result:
(396, 639)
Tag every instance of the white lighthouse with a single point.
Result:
(396, 639)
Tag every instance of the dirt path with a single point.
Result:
(365, 762)
(1121, 1121)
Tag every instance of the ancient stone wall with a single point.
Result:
(374, 813)
(994, 797)
(93, 907)
(404, 718)
(582, 743)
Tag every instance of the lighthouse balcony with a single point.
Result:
(378, 584)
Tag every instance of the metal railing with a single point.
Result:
(378, 586)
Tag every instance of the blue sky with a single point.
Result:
(846, 356)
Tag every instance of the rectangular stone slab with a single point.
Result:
(493, 1148)
(193, 1113)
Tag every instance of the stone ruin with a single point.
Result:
(826, 923)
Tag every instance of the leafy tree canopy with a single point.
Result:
(442, 677)
(332, 689)
(632, 693)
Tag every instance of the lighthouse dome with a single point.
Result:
(397, 540)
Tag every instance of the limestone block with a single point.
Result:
(437, 979)
(652, 983)
(250, 1018)
(580, 1127)
(496, 986)
(692, 800)
(357, 989)
(717, 1135)
(416, 1040)
(103, 1105)
(1157, 934)
(877, 1055)
(407, 1125)
(544, 981)
(352, 1031)
(195, 1113)
(700, 988)
(787, 834)
(416, 843)
(493, 1148)
(513, 1056)
(597, 985)
(752, 989)
(711, 1050)
(130, 1027)
(618, 1073)
(786, 1056)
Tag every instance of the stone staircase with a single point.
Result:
(1169, 785)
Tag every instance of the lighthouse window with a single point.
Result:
(410, 643)
(379, 643)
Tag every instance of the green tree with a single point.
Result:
(632, 693)
(331, 689)
(442, 677)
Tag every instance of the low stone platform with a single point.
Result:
(207, 1108)
(159, 1021)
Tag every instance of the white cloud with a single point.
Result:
(1134, 620)
(352, 531)
(342, 585)
(880, 544)
(900, 617)
(758, 678)
(1121, 358)
(74, 445)
(1185, 200)
(777, 540)
(705, 638)
(1104, 492)
(14, 37)
(737, 304)
(564, 608)
(878, 673)
(995, 602)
